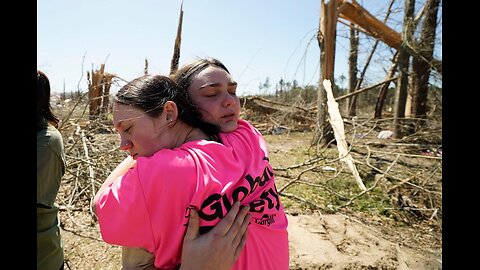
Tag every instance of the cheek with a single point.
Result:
(237, 105)
(209, 109)
(147, 148)
(140, 141)
(144, 140)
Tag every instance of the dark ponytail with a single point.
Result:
(44, 109)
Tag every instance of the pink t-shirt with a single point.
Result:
(148, 206)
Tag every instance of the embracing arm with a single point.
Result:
(120, 170)
(218, 249)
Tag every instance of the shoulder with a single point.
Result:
(245, 125)
(166, 160)
(50, 137)
(170, 169)
(245, 131)
(49, 133)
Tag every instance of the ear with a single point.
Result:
(170, 112)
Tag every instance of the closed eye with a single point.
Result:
(124, 126)
(232, 88)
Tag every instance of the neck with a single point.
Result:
(195, 134)
(192, 135)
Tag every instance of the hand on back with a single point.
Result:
(221, 246)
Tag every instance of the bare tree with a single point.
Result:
(420, 68)
(352, 69)
(403, 63)
(358, 84)
(382, 94)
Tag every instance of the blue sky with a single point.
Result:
(254, 39)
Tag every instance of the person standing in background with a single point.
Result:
(51, 166)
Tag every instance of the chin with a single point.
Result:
(229, 127)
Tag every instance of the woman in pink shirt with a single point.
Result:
(213, 90)
(156, 193)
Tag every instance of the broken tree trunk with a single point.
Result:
(326, 38)
(99, 83)
(106, 92)
(95, 91)
(178, 42)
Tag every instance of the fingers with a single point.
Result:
(241, 245)
(193, 226)
(224, 225)
(239, 226)
(241, 237)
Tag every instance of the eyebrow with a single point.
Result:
(117, 125)
(120, 123)
(217, 85)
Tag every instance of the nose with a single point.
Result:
(125, 145)
(228, 99)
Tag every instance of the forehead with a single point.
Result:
(123, 112)
(210, 75)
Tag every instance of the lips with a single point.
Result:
(229, 117)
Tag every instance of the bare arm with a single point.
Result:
(120, 170)
(220, 247)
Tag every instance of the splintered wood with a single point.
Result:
(339, 132)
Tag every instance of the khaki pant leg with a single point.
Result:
(137, 259)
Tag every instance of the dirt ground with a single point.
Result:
(316, 242)
(343, 240)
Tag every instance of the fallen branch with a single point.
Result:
(400, 184)
(91, 172)
(363, 90)
(295, 197)
(297, 178)
(373, 186)
(308, 162)
(406, 155)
